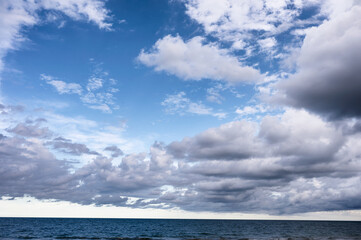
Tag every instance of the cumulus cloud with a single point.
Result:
(29, 168)
(196, 60)
(272, 166)
(295, 134)
(328, 76)
(19, 13)
(295, 161)
(288, 163)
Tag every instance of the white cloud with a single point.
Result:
(251, 110)
(92, 11)
(94, 83)
(16, 14)
(61, 86)
(250, 25)
(180, 104)
(99, 101)
(267, 44)
(213, 94)
(233, 19)
(194, 60)
(102, 107)
(92, 98)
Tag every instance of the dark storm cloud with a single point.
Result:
(116, 152)
(328, 80)
(66, 146)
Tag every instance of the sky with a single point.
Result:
(242, 109)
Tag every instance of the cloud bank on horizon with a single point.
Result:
(231, 106)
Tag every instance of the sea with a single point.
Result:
(172, 229)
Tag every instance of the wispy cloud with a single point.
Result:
(18, 14)
(93, 95)
(180, 104)
(61, 86)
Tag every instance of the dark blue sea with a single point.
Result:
(146, 229)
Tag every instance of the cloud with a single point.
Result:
(19, 13)
(66, 146)
(180, 104)
(30, 130)
(195, 60)
(213, 94)
(281, 166)
(93, 98)
(116, 152)
(256, 110)
(232, 20)
(29, 168)
(268, 44)
(99, 101)
(288, 163)
(92, 11)
(61, 86)
(296, 134)
(327, 81)
(94, 83)
(225, 142)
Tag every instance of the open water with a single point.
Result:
(146, 229)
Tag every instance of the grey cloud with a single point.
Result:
(28, 130)
(225, 142)
(28, 168)
(116, 152)
(294, 162)
(328, 79)
(16, 108)
(66, 146)
(159, 158)
(6, 109)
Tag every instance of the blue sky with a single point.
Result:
(181, 108)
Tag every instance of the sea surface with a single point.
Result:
(146, 229)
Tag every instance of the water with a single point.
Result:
(146, 229)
